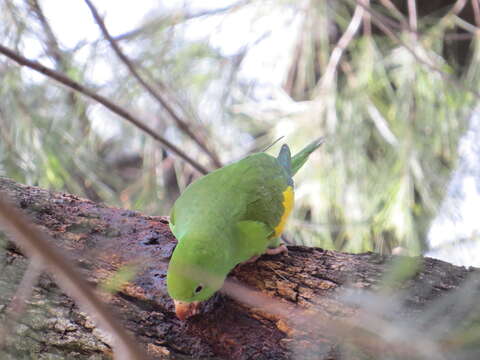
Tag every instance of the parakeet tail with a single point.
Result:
(300, 158)
(285, 159)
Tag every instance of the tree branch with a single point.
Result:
(61, 78)
(40, 249)
(331, 69)
(182, 125)
(179, 17)
(311, 303)
(422, 59)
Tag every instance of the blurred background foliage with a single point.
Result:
(390, 83)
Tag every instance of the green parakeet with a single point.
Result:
(228, 217)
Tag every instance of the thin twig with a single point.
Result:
(18, 303)
(456, 8)
(74, 101)
(179, 17)
(8, 142)
(343, 42)
(465, 25)
(387, 20)
(454, 11)
(39, 248)
(61, 78)
(52, 43)
(273, 143)
(412, 15)
(367, 23)
(394, 10)
(476, 12)
(182, 125)
(24, 289)
(381, 124)
(377, 20)
(456, 37)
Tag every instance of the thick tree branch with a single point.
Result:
(311, 303)
(40, 250)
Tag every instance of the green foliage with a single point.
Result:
(392, 119)
(394, 125)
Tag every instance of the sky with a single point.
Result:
(458, 218)
(268, 32)
(277, 29)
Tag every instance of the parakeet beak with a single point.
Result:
(184, 310)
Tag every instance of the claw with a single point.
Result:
(278, 250)
(270, 251)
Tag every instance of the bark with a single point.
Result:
(102, 240)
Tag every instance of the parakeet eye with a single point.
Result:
(198, 289)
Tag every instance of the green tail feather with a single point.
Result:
(285, 158)
(300, 158)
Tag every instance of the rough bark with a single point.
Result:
(102, 240)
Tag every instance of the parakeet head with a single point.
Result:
(194, 274)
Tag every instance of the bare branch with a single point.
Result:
(465, 25)
(386, 19)
(182, 125)
(456, 8)
(74, 101)
(452, 13)
(52, 43)
(24, 290)
(367, 23)
(425, 61)
(394, 10)
(412, 15)
(343, 42)
(476, 12)
(456, 37)
(18, 302)
(178, 18)
(37, 245)
(61, 78)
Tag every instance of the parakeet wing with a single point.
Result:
(249, 190)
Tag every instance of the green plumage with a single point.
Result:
(227, 217)
(250, 189)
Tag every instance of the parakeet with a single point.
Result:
(227, 217)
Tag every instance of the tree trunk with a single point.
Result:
(330, 288)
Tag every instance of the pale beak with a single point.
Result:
(184, 309)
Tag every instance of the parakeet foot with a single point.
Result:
(278, 250)
(251, 260)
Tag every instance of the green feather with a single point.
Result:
(285, 159)
(300, 158)
(227, 217)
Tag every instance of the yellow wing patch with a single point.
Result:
(288, 201)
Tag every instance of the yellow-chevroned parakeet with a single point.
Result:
(227, 217)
